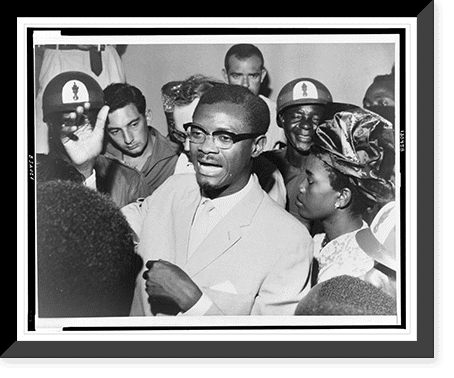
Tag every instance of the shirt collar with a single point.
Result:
(226, 203)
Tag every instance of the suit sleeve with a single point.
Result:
(288, 281)
(135, 214)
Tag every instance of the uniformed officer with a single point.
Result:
(300, 106)
(73, 108)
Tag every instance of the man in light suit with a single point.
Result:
(253, 258)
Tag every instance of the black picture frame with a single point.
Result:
(422, 347)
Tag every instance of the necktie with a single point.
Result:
(200, 226)
(96, 61)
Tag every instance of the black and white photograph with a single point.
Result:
(220, 183)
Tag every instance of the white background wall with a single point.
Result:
(347, 69)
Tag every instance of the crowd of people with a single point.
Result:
(246, 207)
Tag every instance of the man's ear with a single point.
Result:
(264, 72)
(280, 120)
(258, 146)
(148, 116)
(225, 75)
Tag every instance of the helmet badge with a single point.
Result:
(75, 90)
(304, 88)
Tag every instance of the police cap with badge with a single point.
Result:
(68, 90)
(302, 91)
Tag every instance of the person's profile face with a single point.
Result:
(128, 130)
(183, 114)
(317, 197)
(299, 123)
(171, 126)
(221, 171)
(248, 73)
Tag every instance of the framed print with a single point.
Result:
(342, 58)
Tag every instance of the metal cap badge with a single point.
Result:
(303, 91)
(68, 90)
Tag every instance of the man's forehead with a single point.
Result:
(378, 90)
(222, 114)
(252, 63)
(304, 109)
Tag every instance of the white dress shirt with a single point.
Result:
(90, 181)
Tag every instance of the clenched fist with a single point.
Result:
(168, 281)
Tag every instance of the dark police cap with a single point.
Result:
(68, 90)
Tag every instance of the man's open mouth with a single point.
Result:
(208, 168)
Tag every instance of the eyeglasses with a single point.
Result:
(222, 139)
(178, 135)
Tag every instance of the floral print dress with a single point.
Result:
(341, 256)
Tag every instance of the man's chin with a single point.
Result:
(304, 149)
(210, 189)
(133, 153)
(206, 185)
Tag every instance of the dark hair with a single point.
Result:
(119, 95)
(340, 181)
(256, 112)
(346, 295)
(387, 80)
(358, 202)
(242, 51)
(85, 254)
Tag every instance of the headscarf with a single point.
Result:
(359, 144)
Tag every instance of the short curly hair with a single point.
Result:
(256, 111)
(86, 262)
(346, 295)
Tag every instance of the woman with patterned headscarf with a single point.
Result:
(350, 170)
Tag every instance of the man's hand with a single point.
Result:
(166, 280)
(81, 140)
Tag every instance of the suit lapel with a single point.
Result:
(226, 233)
(183, 221)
